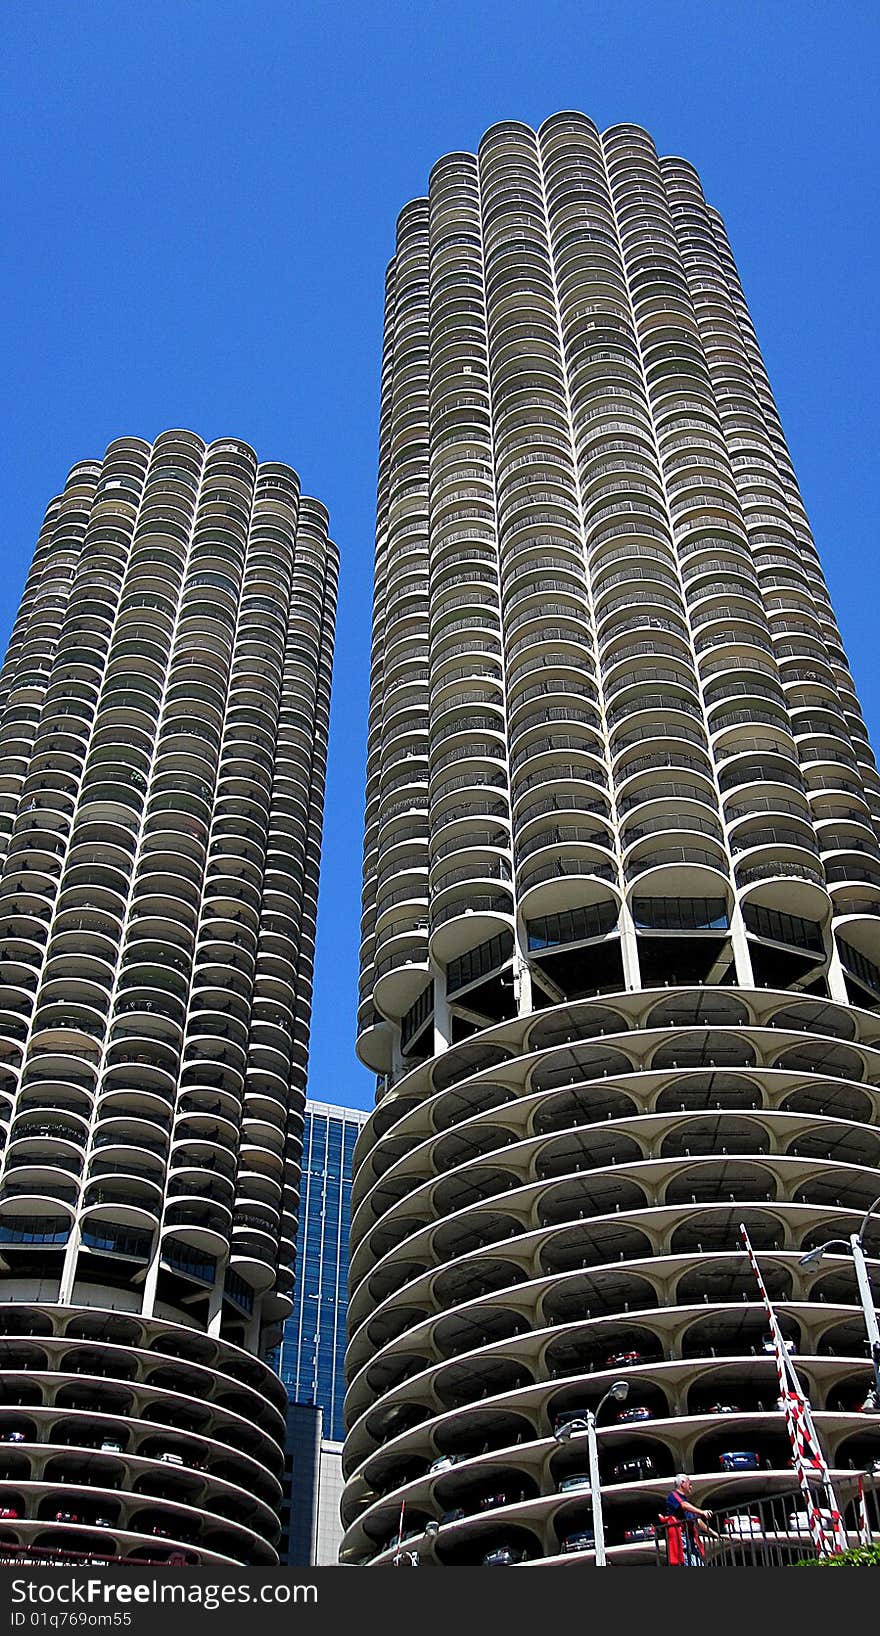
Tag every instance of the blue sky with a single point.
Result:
(200, 203)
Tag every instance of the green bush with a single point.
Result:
(861, 1556)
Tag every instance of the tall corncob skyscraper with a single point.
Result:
(621, 934)
(163, 733)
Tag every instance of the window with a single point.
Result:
(680, 914)
(784, 928)
(574, 926)
(488, 956)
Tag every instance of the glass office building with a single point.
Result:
(313, 1349)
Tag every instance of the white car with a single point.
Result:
(799, 1521)
(169, 1459)
(444, 1463)
(574, 1484)
(742, 1525)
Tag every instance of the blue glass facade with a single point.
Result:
(313, 1345)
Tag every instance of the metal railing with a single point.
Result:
(773, 1532)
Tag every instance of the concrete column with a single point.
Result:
(150, 1283)
(741, 954)
(215, 1307)
(398, 1066)
(629, 950)
(836, 979)
(68, 1271)
(252, 1333)
(442, 1015)
(522, 976)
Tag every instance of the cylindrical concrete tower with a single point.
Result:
(621, 934)
(163, 734)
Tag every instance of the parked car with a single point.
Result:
(769, 1347)
(8, 1513)
(574, 1484)
(742, 1525)
(573, 1419)
(504, 1556)
(799, 1522)
(444, 1463)
(641, 1531)
(583, 1540)
(110, 1445)
(624, 1360)
(66, 1516)
(13, 1437)
(403, 1539)
(638, 1412)
(169, 1459)
(454, 1515)
(576, 1426)
(723, 1408)
(102, 1522)
(634, 1470)
(491, 1502)
(739, 1460)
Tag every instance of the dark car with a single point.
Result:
(632, 1471)
(628, 1417)
(739, 1460)
(573, 1419)
(453, 1515)
(583, 1540)
(66, 1516)
(723, 1408)
(504, 1556)
(13, 1437)
(624, 1360)
(641, 1531)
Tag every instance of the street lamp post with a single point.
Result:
(618, 1391)
(857, 1250)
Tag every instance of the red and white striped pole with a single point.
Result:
(808, 1457)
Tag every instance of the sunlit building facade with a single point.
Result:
(621, 926)
(163, 732)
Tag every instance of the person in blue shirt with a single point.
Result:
(682, 1521)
